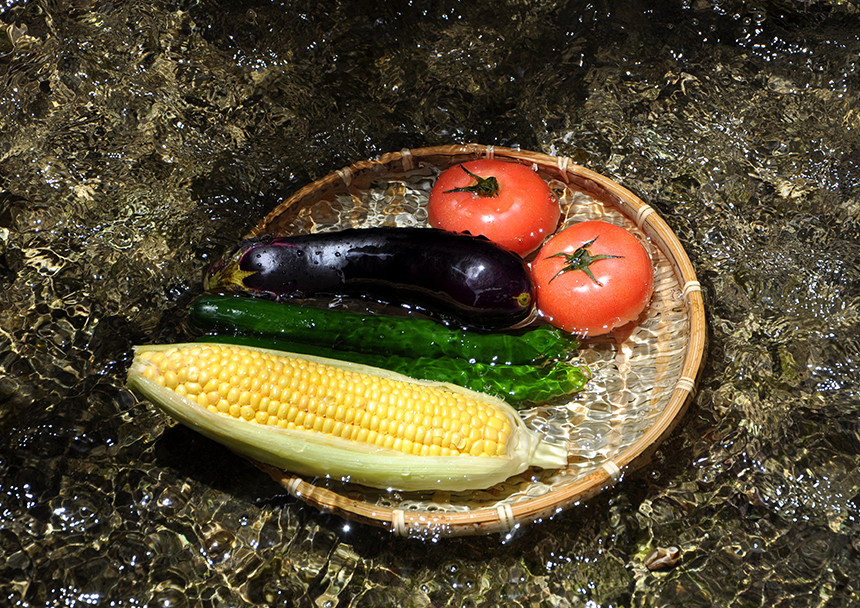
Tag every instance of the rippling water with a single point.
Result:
(139, 139)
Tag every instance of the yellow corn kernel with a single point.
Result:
(288, 391)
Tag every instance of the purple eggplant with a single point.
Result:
(455, 277)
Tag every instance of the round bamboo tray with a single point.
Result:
(643, 376)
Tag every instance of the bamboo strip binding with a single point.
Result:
(503, 517)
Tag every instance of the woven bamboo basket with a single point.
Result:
(643, 376)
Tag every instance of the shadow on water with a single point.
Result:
(139, 140)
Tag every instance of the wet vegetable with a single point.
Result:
(318, 417)
(507, 202)
(592, 277)
(460, 278)
(403, 336)
(519, 385)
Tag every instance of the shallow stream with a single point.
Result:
(140, 139)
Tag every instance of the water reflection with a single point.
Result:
(138, 140)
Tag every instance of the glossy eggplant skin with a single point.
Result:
(459, 278)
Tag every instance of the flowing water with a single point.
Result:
(139, 139)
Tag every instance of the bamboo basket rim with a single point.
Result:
(505, 517)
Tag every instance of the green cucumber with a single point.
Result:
(520, 385)
(407, 337)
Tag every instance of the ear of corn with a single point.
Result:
(326, 418)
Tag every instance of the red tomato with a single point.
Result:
(592, 277)
(517, 212)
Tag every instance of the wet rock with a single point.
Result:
(662, 558)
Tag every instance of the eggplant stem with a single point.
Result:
(231, 276)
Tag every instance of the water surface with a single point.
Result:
(139, 139)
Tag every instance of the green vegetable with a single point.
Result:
(519, 385)
(406, 337)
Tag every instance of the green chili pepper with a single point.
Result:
(519, 385)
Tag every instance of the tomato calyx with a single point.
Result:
(485, 186)
(581, 259)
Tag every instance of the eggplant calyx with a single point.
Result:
(229, 276)
(581, 259)
(485, 186)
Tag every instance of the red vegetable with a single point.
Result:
(506, 202)
(592, 277)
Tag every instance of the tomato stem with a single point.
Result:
(485, 186)
(581, 259)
